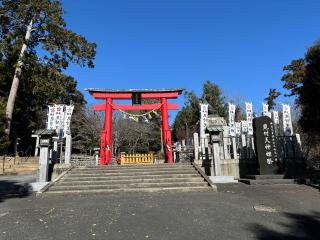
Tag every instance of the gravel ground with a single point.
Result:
(237, 211)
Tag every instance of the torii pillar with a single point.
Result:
(166, 133)
(106, 135)
(109, 95)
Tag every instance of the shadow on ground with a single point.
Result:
(12, 189)
(298, 227)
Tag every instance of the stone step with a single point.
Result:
(123, 181)
(130, 173)
(146, 178)
(141, 165)
(269, 176)
(267, 181)
(124, 169)
(126, 190)
(128, 167)
(129, 185)
(116, 177)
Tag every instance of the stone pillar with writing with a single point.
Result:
(96, 155)
(67, 156)
(237, 140)
(196, 147)
(55, 150)
(226, 142)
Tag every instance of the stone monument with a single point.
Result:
(265, 145)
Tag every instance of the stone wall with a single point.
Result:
(83, 160)
(230, 167)
(59, 169)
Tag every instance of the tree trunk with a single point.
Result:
(16, 79)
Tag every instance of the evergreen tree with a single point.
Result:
(272, 96)
(4, 142)
(213, 96)
(239, 114)
(30, 25)
(302, 79)
(310, 91)
(187, 119)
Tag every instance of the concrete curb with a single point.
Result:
(206, 178)
(45, 188)
(313, 186)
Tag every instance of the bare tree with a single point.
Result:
(131, 136)
(86, 128)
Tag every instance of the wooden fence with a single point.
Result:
(131, 159)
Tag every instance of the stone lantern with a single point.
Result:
(45, 143)
(215, 126)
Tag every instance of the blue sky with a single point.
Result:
(241, 45)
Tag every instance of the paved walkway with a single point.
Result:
(238, 212)
(28, 178)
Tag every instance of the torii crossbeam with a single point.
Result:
(108, 95)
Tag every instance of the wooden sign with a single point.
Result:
(136, 98)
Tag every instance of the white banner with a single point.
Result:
(265, 110)
(51, 124)
(250, 128)
(276, 122)
(286, 118)
(67, 118)
(203, 119)
(232, 112)
(59, 117)
(238, 128)
(249, 112)
(244, 127)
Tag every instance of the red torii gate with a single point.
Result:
(136, 95)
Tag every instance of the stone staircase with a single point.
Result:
(267, 179)
(137, 178)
